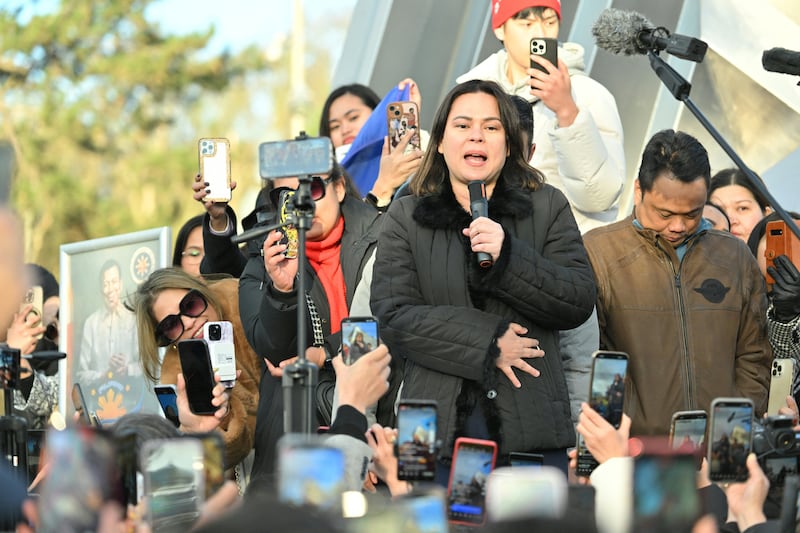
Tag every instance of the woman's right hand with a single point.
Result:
(24, 330)
(281, 271)
(514, 349)
(192, 423)
(396, 166)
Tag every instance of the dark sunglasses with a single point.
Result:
(318, 188)
(171, 327)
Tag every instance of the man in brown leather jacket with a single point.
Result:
(686, 302)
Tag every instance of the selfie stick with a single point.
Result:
(680, 88)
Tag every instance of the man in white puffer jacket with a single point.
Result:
(577, 129)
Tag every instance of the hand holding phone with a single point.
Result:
(360, 336)
(35, 298)
(401, 117)
(215, 167)
(544, 47)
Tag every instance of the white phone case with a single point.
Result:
(214, 156)
(222, 351)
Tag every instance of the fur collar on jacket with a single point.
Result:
(443, 211)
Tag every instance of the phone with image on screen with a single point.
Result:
(167, 397)
(310, 472)
(415, 447)
(665, 497)
(730, 439)
(360, 335)
(606, 397)
(473, 461)
(687, 432)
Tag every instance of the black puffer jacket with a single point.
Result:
(443, 313)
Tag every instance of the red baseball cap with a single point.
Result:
(502, 10)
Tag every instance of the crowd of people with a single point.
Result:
(679, 284)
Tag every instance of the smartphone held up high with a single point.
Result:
(360, 336)
(416, 440)
(730, 439)
(214, 157)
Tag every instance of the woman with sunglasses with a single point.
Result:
(340, 242)
(172, 305)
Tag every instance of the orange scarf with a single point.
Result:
(324, 257)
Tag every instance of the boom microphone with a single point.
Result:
(782, 61)
(630, 33)
(479, 207)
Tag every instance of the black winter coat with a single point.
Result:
(443, 314)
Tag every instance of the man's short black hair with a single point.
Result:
(675, 152)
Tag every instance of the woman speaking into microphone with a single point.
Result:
(482, 341)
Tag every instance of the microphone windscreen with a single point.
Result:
(781, 60)
(617, 31)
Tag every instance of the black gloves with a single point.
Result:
(786, 290)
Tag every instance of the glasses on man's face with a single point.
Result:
(318, 187)
(170, 329)
(192, 254)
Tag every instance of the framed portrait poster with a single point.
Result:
(98, 329)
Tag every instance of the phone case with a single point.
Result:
(400, 117)
(360, 335)
(780, 385)
(219, 336)
(547, 48)
(473, 461)
(288, 228)
(172, 471)
(34, 297)
(215, 167)
(198, 374)
(780, 241)
(416, 443)
(730, 438)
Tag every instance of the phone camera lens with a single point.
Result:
(780, 369)
(215, 332)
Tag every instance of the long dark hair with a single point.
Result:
(734, 176)
(183, 236)
(363, 92)
(516, 172)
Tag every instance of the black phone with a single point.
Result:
(198, 375)
(473, 461)
(665, 496)
(167, 397)
(87, 415)
(416, 440)
(9, 368)
(731, 437)
(526, 459)
(547, 48)
(360, 335)
(687, 431)
(606, 396)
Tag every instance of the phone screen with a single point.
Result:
(731, 438)
(416, 441)
(607, 395)
(688, 432)
(473, 461)
(168, 399)
(359, 337)
(9, 368)
(665, 492)
(198, 374)
(173, 482)
(310, 473)
(526, 459)
(424, 511)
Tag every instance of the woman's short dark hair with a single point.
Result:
(516, 172)
(734, 176)
(183, 236)
(363, 92)
(675, 152)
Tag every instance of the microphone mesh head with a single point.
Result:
(617, 31)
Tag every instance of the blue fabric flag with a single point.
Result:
(363, 161)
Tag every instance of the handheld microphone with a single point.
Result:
(782, 61)
(630, 33)
(47, 355)
(479, 207)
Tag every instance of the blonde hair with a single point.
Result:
(143, 300)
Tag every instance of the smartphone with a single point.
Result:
(128, 465)
(34, 297)
(282, 159)
(167, 397)
(214, 157)
(515, 493)
(416, 440)
(547, 48)
(665, 497)
(213, 461)
(526, 459)
(310, 472)
(360, 336)
(780, 241)
(35, 443)
(219, 337)
(606, 396)
(87, 415)
(687, 431)
(198, 374)
(731, 435)
(401, 117)
(780, 385)
(288, 228)
(82, 477)
(473, 461)
(9, 368)
(172, 472)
